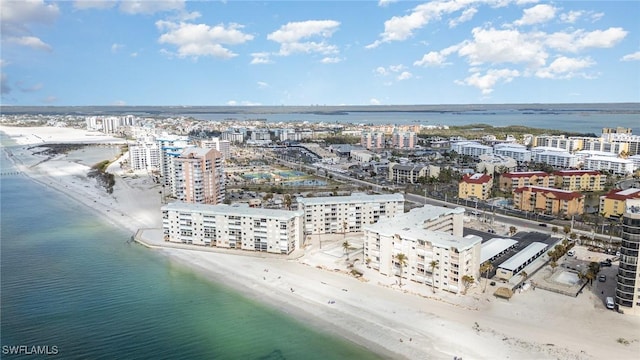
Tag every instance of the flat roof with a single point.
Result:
(523, 256)
(410, 226)
(353, 198)
(235, 210)
(494, 247)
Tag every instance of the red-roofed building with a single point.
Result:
(613, 203)
(512, 180)
(475, 186)
(579, 180)
(548, 201)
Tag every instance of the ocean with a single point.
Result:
(73, 287)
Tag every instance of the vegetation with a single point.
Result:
(341, 139)
(104, 178)
(486, 268)
(467, 281)
(345, 248)
(433, 265)
(473, 131)
(402, 262)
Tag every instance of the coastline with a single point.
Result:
(375, 314)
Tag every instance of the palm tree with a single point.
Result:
(402, 262)
(433, 265)
(345, 248)
(554, 230)
(566, 229)
(512, 230)
(524, 275)
(287, 201)
(486, 268)
(553, 265)
(467, 280)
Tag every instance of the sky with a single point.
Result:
(301, 53)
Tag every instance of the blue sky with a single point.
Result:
(95, 52)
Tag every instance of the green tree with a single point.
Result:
(486, 268)
(401, 259)
(554, 230)
(433, 265)
(512, 230)
(553, 265)
(287, 201)
(345, 248)
(566, 229)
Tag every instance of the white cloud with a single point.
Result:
(134, 54)
(580, 39)
(503, 46)
(30, 41)
(150, 6)
(116, 47)
(396, 68)
(540, 13)
(572, 16)
(631, 57)
(404, 76)
(487, 81)
(119, 103)
(330, 60)
(433, 58)
(381, 71)
(290, 37)
(50, 99)
(194, 40)
(261, 58)
(374, 101)
(29, 88)
(466, 15)
(565, 68)
(232, 103)
(93, 4)
(383, 3)
(17, 18)
(262, 85)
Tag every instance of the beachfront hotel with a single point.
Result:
(171, 146)
(233, 226)
(628, 280)
(548, 201)
(339, 214)
(431, 239)
(198, 176)
(144, 154)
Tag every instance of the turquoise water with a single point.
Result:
(74, 284)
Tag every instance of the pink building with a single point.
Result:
(404, 139)
(372, 140)
(199, 176)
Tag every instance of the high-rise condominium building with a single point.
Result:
(628, 286)
(199, 176)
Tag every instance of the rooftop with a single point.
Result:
(523, 256)
(353, 198)
(235, 210)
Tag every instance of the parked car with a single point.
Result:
(610, 303)
(602, 278)
(605, 263)
(571, 253)
(543, 225)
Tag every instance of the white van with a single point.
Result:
(571, 252)
(610, 303)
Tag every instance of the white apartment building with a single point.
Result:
(233, 226)
(170, 146)
(471, 148)
(558, 142)
(616, 165)
(223, 146)
(555, 157)
(518, 152)
(636, 161)
(426, 235)
(602, 144)
(338, 214)
(144, 154)
(583, 154)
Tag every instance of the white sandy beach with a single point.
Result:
(409, 322)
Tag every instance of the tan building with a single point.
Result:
(513, 180)
(548, 201)
(612, 204)
(579, 180)
(198, 176)
(426, 235)
(475, 187)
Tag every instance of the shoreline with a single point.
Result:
(374, 314)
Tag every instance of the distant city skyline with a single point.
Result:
(298, 53)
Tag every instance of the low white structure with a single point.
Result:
(430, 238)
(555, 157)
(233, 226)
(471, 148)
(519, 261)
(517, 152)
(338, 214)
(496, 247)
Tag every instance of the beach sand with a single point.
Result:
(314, 285)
